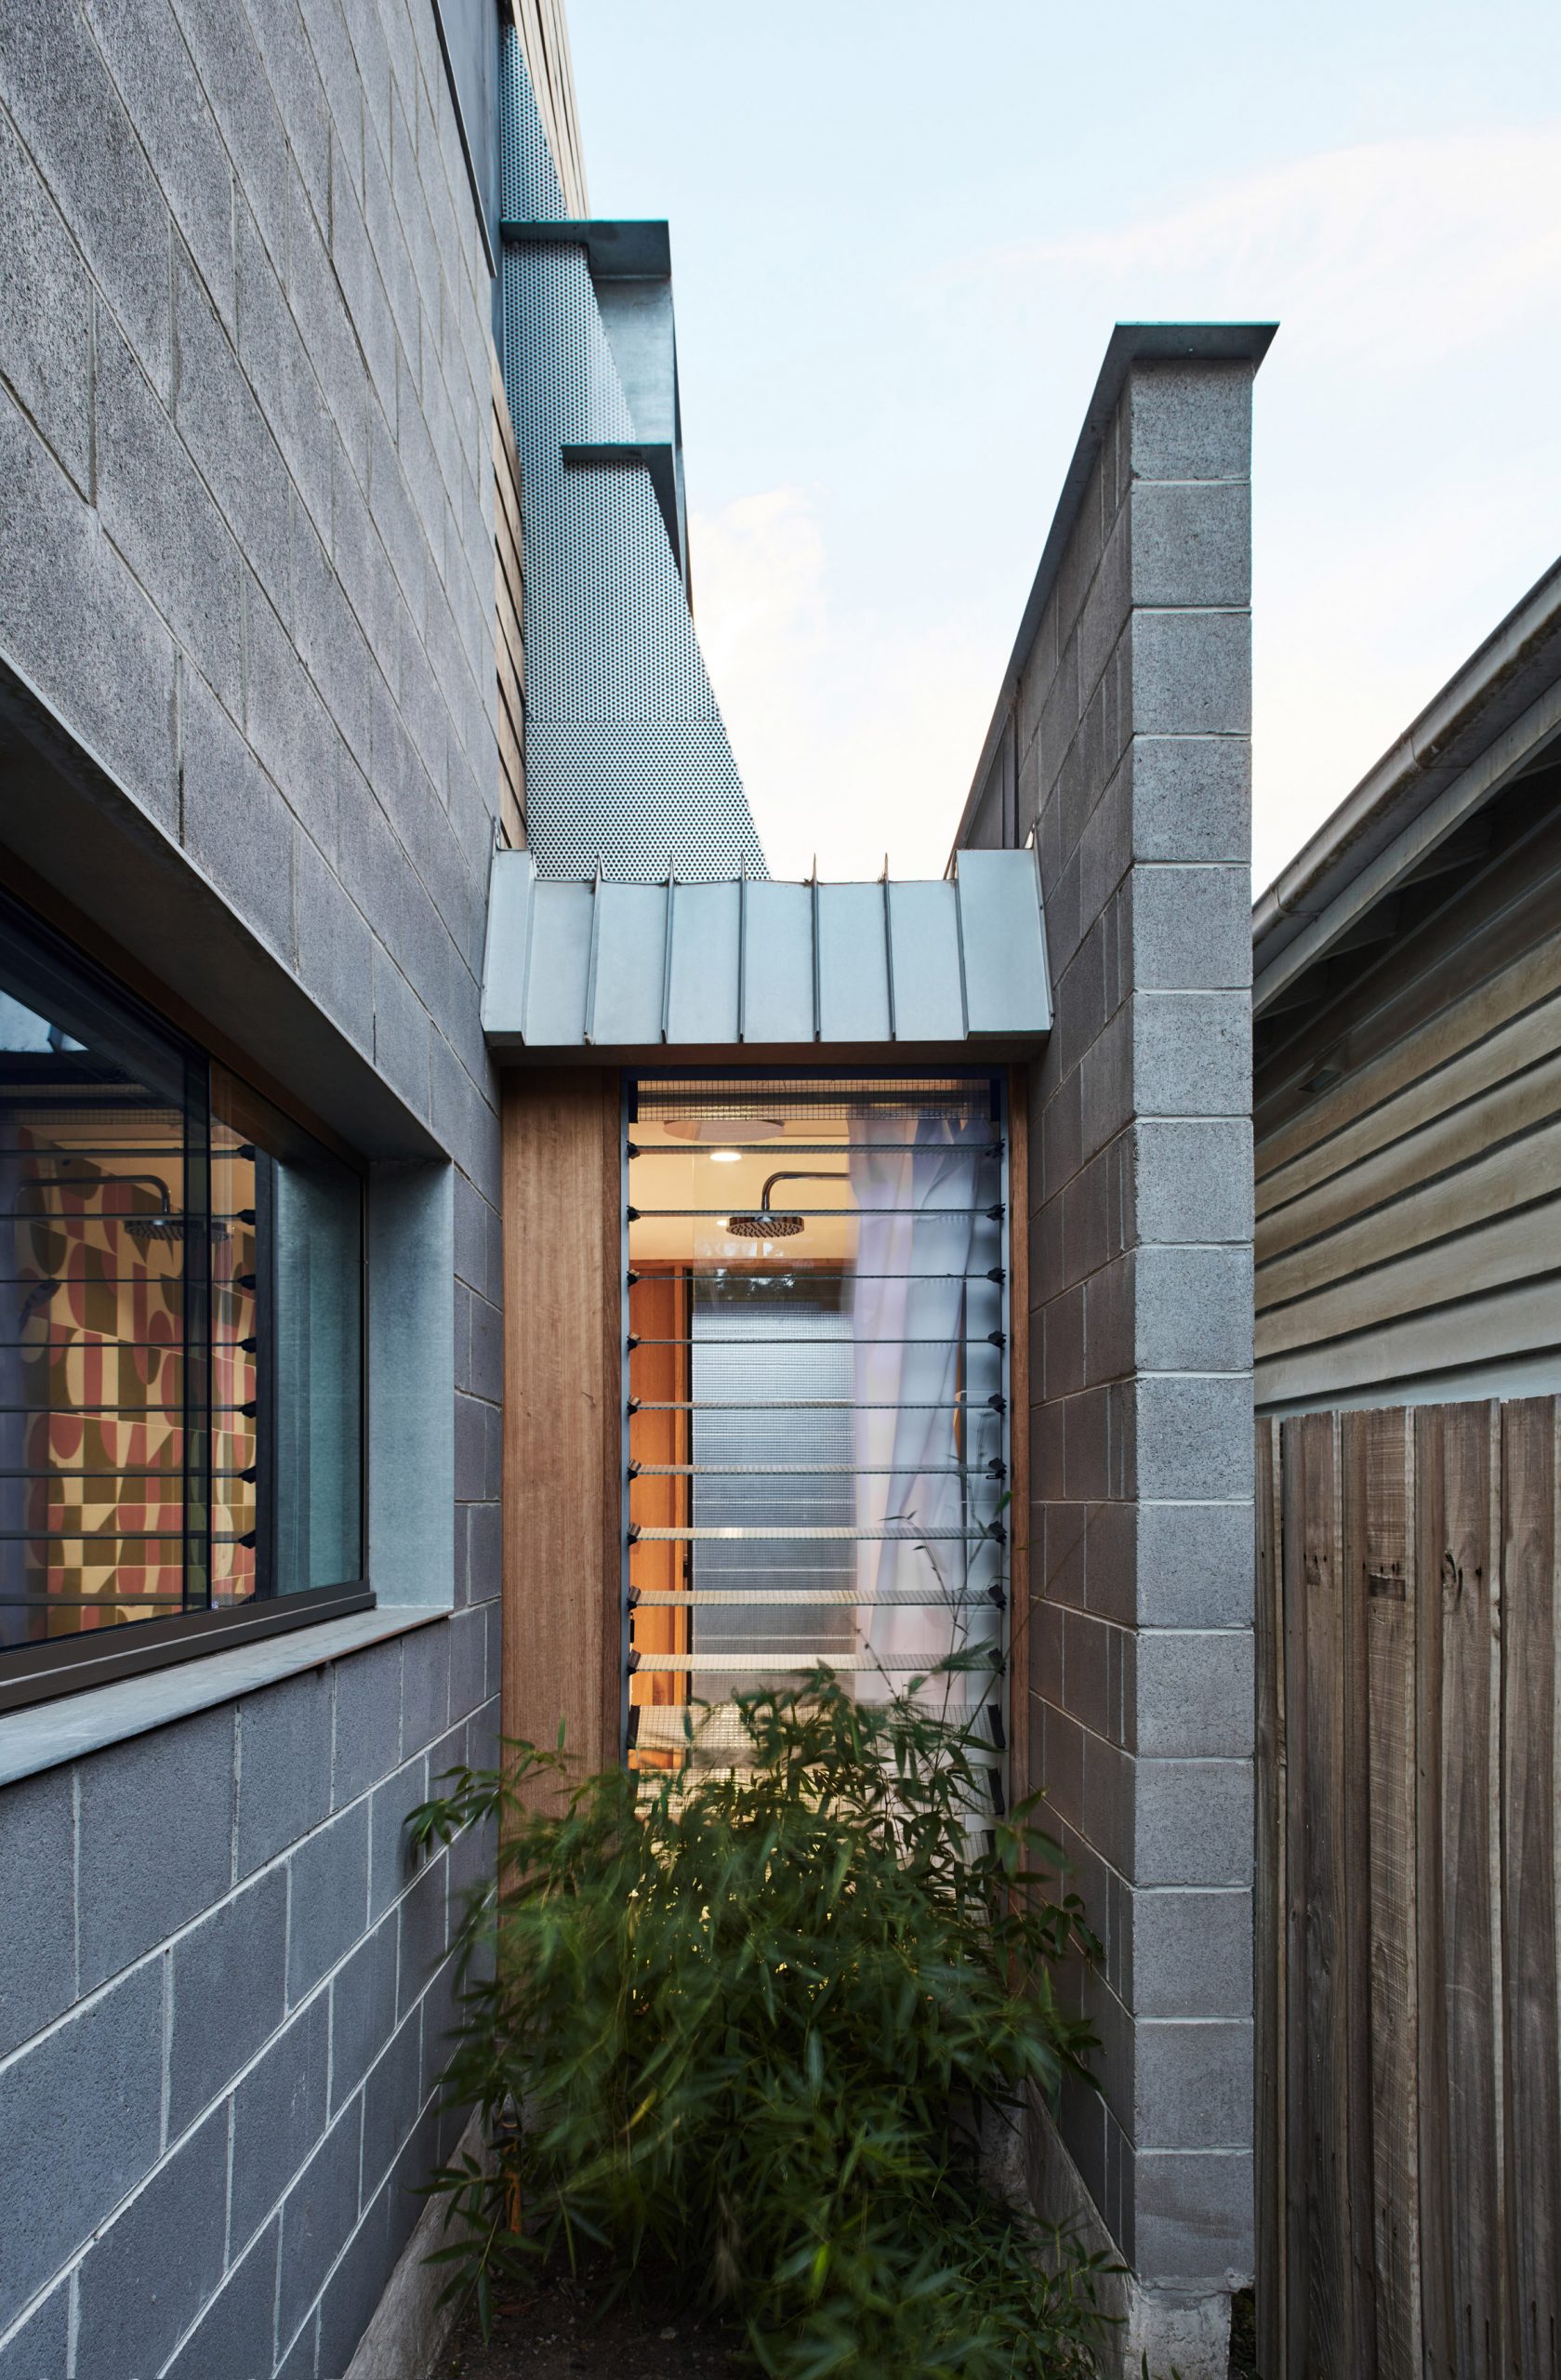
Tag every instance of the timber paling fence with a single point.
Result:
(1409, 2115)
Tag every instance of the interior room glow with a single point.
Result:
(726, 1157)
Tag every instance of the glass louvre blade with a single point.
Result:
(817, 1446)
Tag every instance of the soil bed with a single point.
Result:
(557, 2331)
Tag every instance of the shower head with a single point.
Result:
(765, 1225)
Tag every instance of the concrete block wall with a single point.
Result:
(1131, 719)
(223, 2021)
(247, 626)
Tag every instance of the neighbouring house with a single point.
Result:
(475, 1250)
(1407, 1101)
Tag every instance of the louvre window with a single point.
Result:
(815, 1388)
(180, 1326)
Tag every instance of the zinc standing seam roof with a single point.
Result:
(610, 964)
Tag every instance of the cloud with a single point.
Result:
(852, 738)
(1406, 459)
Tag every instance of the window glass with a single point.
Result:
(180, 1331)
(818, 1430)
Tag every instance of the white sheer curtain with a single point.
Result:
(916, 1184)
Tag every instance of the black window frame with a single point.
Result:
(36, 1673)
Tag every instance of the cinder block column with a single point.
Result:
(1132, 726)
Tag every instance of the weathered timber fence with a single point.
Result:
(1408, 2119)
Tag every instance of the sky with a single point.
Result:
(901, 234)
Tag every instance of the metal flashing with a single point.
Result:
(615, 965)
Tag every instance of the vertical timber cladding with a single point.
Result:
(562, 1335)
(1409, 2026)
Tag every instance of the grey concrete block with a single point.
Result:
(424, 1922)
(1192, 1054)
(139, 1881)
(299, 2362)
(1192, 1308)
(234, 2338)
(320, 310)
(236, 825)
(138, 2292)
(1191, 929)
(472, 1234)
(367, 1720)
(1187, 420)
(149, 64)
(1193, 2086)
(1110, 1350)
(1194, 1564)
(1105, 608)
(1194, 2218)
(164, 521)
(66, 597)
(223, 48)
(354, 2289)
(392, 1862)
(1193, 1437)
(486, 1561)
(71, 117)
(363, 565)
(329, 640)
(96, 2082)
(40, 2350)
(301, 98)
(331, 46)
(37, 1873)
(283, 1766)
(481, 1734)
(1192, 799)
(1106, 1083)
(1192, 1823)
(320, 2214)
(293, 735)
(469, 1660)
(46, 312)
(229, 1985)
(328, 1908)
(1194, 1694)
(1192, 1180)
(425, 1711)
(392, 2100)
(224, 429)
(1192, 542)
(282, 372)
(1087, 1447)
(1192, 673)
(363, 2009)
(334, 946)
(280, 2112)
(352, 253)
(401, 1033)
(1060, 1326)
(1190, 1953)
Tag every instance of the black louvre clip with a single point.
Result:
(633, 1214)
(634, 1470)
(997, 1404)
(633, 1532)
(632, 1341)
(996, 1468)
(994, 1214)
(633, 1597)
(997, 1338)
(633, 1279)
(634, 1662)
(995, 1272)
(634, 1404)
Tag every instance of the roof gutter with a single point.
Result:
(1130, 343)
(1503, 697)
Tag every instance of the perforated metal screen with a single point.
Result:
(628, 767)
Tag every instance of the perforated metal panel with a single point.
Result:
(628, 767)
